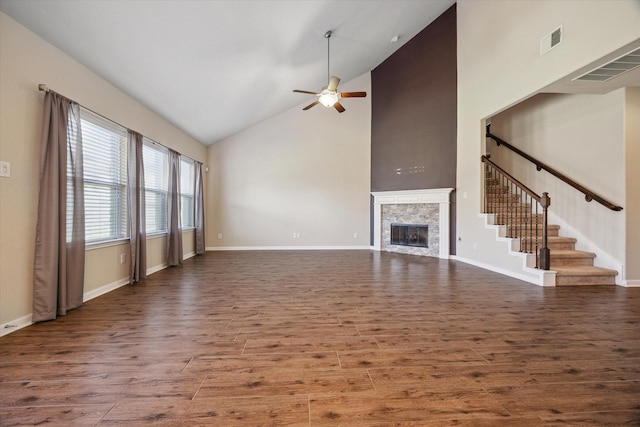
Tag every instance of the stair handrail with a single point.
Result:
(588, 194)
(544, 201)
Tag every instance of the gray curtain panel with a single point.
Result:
(137, 230)
(174, 232)
(199, 211)
(58, 282)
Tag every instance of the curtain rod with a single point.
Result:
(44, 88)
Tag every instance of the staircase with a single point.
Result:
(572, 267)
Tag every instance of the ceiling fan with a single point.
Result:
(329, 96)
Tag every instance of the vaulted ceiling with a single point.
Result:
(213, 68)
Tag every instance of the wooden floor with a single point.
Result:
(330, 338)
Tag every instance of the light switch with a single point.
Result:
(5, 169)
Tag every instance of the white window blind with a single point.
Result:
(156, 182)
(187, 191)
(105, 178)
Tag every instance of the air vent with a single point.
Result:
(551, 40)
(606, 72)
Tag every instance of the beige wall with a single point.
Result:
(25, 61)
(301, 172)
(632, 172)
(499, 65)
(581, 136)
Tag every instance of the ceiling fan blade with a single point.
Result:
(306, 91)
(333, 83)
(338, 107)
(311, 105)
(353, 94)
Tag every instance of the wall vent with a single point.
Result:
(551, 40)
(626, 62)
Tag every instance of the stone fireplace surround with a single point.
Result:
(437, 196)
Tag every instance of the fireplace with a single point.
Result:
(410, 235)
(429, 207)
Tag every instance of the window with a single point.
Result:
(187, 192)
(104, 147)
(156, 185)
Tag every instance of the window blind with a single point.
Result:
(105, 178)
(187, 191)
(156, 181)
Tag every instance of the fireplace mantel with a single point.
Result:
(438, 196)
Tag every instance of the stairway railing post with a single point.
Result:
(545, 253)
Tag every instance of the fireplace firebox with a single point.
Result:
(410, 235)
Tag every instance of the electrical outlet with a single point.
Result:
(219, 236)
(355, 235)
(5, 169)
(123, 258)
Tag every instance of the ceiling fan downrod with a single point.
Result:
(327, 36)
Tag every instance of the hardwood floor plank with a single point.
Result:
(310, 344)
(438, 340)
(79, 415)
(53, 370)
(559, 398)
(283, 382)
(292, 411)
(575, 371)
(595, 419)
(404, 358)
(409, 405)
(577, 351)
(93, 391)
(209, 364)
(429, 377)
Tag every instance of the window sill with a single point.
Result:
(126, 240)
(156, 235)
(107, 244)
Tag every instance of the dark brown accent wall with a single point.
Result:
(414, 110)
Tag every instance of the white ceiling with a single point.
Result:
(213, 68)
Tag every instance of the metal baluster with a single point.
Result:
(545, 254)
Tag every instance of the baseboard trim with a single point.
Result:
(16, 324)
(105, 289)
(539, 281)
(156, 268)
(286, 248)
(632, 283)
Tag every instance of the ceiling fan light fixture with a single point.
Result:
(328, 98)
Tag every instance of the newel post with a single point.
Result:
(545, 254)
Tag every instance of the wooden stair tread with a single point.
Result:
(583, 270)
(562, 239)
(569, 253)
(566, 257)
(584, 276)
